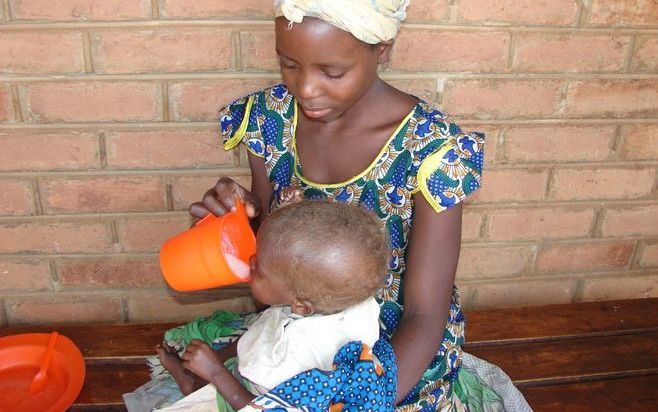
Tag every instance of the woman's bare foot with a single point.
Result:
(291, 195)
(171, 361)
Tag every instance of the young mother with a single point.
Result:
(338, 132)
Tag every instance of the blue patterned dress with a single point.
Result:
(427, 153)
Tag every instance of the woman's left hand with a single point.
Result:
(203, 361)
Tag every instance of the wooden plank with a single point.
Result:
(527, 364)
(560, 321)
(484, 327)
(106, 383)
(639, 393)
(576, 359)
(104, 341)
(98, 408)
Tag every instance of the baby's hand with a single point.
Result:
(220, 199)
(290, 195)
(202, 360)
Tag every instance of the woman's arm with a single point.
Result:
(260, 185)
(432, 256)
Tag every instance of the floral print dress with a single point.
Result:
(427, 153)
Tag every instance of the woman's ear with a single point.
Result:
(384, 51)
(303, 307)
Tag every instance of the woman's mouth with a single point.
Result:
(315, 113)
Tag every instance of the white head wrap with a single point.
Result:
(371, 21)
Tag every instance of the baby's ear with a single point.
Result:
(303, 307)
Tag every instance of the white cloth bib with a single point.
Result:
(279, 344)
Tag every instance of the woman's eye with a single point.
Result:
(333, 74)
(286, 64)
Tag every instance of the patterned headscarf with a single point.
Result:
(371, 21)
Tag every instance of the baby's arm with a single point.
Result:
(207, 364)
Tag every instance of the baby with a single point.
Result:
(318, 265)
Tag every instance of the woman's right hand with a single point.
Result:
(220, 199)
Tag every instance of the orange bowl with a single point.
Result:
(20, 360)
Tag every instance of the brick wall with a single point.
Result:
(107, 133)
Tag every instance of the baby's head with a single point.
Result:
(319, 257)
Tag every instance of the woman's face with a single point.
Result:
(327, 70)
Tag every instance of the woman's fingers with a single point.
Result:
(220, 199)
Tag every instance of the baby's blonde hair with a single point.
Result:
(333, 254)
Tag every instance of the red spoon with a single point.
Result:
(41, 378)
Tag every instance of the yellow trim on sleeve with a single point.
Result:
(250, 150)
(239, 134)
(429, 166)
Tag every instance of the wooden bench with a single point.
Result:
(575, 357)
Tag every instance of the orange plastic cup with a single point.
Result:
(205, 256)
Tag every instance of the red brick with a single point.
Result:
(424, 89)
(16, 195)
(583, 257)
(6, 105)
(471, 223)
(624, 13)
(543, 52)
(187, 190)
(48, 150)
(250, 9)
(528, 292)
(259, 51)
(24, 275)
(54, 237)
(428, 11)
(477, 262)
(515, 185)
(63, 309)
(102, 194)
(599, 183)
(202, 100)
(67, 10)
(620, 286)
(151, 308)
(93, 102)
(522, 12)
(645, 58)
(632, 221)
(440, 50)
(110, 272)
(170, 148)
(649, 255)
(501, 98)
(541, 223)
(161, 50)
(148, 234)
(612, 98)
(41, 52)
(558, 143)
(640, 142)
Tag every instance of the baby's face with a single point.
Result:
(266, 287)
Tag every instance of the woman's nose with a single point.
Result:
(307, 87)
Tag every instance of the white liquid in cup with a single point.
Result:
(238, 266)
